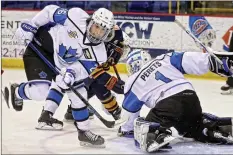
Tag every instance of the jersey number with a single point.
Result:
(160, 76)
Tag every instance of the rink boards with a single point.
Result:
(155, 32)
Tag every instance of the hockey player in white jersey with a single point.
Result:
(160, 85)
(76, 44)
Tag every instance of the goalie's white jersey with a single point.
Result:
(71, 49)
(160, 78)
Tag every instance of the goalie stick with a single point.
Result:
(207, 49)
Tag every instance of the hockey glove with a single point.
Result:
(93, 76)
(102, 77)
(127, 134)
(119, 87)
(105, 66)
(26, 31)
(223, 70)
(113, 83)
(115, 55)
(66, 80)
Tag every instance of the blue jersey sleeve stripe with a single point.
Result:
(60, 16)
(131, 103)
(176, 61)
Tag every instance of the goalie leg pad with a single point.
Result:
(150, 136)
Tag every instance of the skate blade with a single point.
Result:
(153, 148)
(229, 92)
(86, 144)
(44, 126)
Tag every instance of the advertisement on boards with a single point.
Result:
(156, 33)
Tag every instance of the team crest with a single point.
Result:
(227, 38)
(72, 34)
(42, 75)
(199, 26)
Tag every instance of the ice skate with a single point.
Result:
(158, 141)
(218, 136)
(116, 114)
(227, 90)
(17, 103)
(47, 122)
(89, 139)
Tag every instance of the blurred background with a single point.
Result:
(154, 31)
(177, 7)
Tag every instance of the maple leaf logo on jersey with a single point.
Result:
(199, 26)
(69, 55)
(226, 38)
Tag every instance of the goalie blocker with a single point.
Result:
(225, 69)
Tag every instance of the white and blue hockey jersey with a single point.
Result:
(71, 48)
(160, 78)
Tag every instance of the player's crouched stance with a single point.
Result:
(160, 85)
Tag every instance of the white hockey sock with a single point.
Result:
(50, 106)
(54, 98)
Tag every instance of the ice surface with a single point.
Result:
(20, 136)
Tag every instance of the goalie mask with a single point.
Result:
(207, 37)
(100, 26)
(136, 59)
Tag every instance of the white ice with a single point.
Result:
(19, 135)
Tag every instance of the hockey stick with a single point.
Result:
(197, 40)
(109, 124)
(201, 44)
(116, 71)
